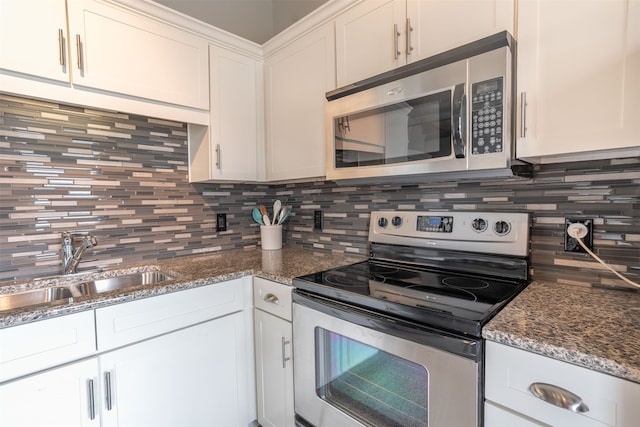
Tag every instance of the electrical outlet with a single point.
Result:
(317, 220)
(570, 243)
(221, 222)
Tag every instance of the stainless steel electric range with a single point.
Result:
(396, 340)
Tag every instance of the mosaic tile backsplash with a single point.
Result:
(124, 179)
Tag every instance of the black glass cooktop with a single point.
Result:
(455, 302)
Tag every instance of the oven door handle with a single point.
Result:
(467, 347)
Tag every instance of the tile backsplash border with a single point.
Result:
(124, 178)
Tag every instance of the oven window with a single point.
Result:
(369, 384)
(412, 130)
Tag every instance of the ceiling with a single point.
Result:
(255, 20)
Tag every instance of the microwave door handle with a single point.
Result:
(459, 130)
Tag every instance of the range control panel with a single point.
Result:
(487, 232)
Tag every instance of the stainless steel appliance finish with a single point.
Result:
(396, 340)
(449, 116)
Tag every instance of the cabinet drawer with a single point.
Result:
(272, 297)
(509, 373)
(126, 323)
(39, 345)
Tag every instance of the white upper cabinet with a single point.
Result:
(32, 41)
(378, 35)
(437, 26)
(579, 78)
(235, 129)
(116, 50)
(297, 78)
(126, 59)
(368, 39)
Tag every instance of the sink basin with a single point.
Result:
(122, 282)
(33, 297)
(37, 296)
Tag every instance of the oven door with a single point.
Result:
(357, 368)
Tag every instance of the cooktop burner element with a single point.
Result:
(455, 277)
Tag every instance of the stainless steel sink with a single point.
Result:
(37, 296)
(108, 284)
(33, 297)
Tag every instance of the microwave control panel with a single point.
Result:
(487, 116)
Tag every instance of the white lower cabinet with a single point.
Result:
(598, 399)
(179, 359)
(190, 377)
(58, 397)
(274, 359)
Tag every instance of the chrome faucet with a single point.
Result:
(71, 254)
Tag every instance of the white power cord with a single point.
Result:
(578, 232)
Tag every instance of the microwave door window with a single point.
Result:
(412, 130)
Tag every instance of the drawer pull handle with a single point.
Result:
(559, 397)
(272, 299)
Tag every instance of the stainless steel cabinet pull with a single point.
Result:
(284, 358)
(523, 114)
(559, 397)
(409, 48)
(218, 156)
(396, 42)
(61, 47)
(92, 402)
(79, 52)
(272, 299)
(107, 389)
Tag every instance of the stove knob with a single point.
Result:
(479, 225)
(383, 222)
(396, 221)
(502, 228)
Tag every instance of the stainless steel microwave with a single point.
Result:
(450, 116)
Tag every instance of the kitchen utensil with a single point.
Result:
(266, 220)
(286, 215)
(263, 210)
(281, 215)
(277, 205)
(257, 216)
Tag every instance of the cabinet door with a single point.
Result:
(370, 39)
(274, 370)
(117, 50)
(34, 41)
(57, 398)
(234, 128)
(297, 78)
(192, 377)
(440, 25)
(579, 68)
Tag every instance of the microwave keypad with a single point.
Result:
(487, 117)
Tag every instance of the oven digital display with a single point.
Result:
(435, 224)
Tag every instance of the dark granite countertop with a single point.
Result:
(193, 271)
(594, 328)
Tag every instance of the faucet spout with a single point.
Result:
(71, 255)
